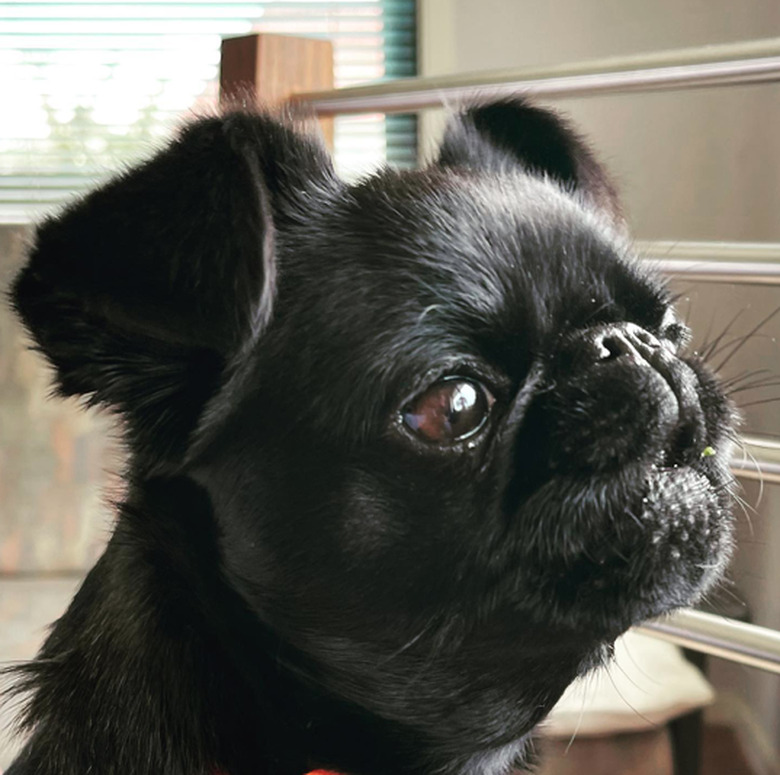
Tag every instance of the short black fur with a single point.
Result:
(299, 577)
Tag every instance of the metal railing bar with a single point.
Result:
(747, 263)
(741, 272)
(758, 459)
(746, 644)
(721, 65)
(710, 251)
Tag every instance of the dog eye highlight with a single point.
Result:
(449, 411)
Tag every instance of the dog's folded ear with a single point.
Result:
(511, 133)
(139, 294)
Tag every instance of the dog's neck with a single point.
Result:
(136, 673)
(159, 667)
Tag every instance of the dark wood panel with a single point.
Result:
(270, 69)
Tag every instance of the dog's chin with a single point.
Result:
(620, 548)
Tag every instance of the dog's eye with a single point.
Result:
(450, 410)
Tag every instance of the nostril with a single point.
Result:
(612, 346)
(608, 343)
(625, 340)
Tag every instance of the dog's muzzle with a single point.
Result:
(620, 394)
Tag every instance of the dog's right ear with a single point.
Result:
(139, 294)
(515, 133)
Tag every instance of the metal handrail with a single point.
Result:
(723, 272)
(758, 458)
(746, 263)
(746, 644)
(721, 65)
(756, 252)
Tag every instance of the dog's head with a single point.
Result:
(444, 420)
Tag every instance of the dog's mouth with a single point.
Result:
(607, 553)
(629, 514)
(640, 556)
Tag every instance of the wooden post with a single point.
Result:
(270, 69)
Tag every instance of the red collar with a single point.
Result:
(311, 772)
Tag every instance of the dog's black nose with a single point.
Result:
(621, 340)
(618, 396)
(607, 343)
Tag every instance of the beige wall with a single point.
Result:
(692, 165)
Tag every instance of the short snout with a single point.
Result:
(613, 342)
(624, 340)
(622, 395)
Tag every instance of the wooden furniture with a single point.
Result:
(270, 69)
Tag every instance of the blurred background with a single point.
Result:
(88, 87)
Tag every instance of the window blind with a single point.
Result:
(89, 87)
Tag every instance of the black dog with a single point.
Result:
(406, 456)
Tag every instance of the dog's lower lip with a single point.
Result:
(680, 501)
(646, 542)
(682, 476)
(667, 467)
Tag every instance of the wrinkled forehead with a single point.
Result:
(475, 249)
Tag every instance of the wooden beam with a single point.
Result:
(271, 69)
